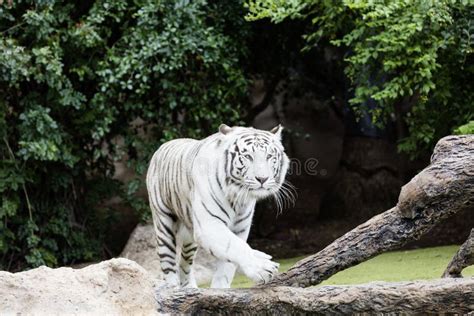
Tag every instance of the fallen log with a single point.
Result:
(462, 259)
(436, 296)
(442, 189)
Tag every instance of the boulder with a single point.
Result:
(113, 287)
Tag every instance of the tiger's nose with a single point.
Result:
(261, 179)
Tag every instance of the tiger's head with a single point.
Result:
(256, 161)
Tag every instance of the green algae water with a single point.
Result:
(405, 265)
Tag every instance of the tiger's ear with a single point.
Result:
(277, 131)
(224, 129)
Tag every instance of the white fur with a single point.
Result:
(190, 179)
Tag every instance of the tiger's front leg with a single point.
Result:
(241, 228)
(211, 231)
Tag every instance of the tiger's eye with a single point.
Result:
(248, 157)
(269, 157)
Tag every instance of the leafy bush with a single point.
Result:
(84, 84)
(414, 58)
(465, 129)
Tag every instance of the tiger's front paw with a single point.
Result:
(259, 267)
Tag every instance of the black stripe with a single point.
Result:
(172, 237)
(152, 202)
(167, 245)
(240, 231)
(243, 218)
(165, 255)
(170, 262)
(191, 244)
(188, 211)
(153, 167)
(155, 192)
(280, 167)
(236, 148)
(173, 217)
(168, 230)
(170, 215)
(161, 230)
(169, 200)
(168, 270)
(232, 158)
(188, 258)
(177, 182)
(213, 214)
(218, 204)
(185, 252)
(218, 182)
(234, 178)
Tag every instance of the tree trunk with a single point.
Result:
(445, 187)
(462, 259)
(436, 296)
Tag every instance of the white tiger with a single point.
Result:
(203, 192)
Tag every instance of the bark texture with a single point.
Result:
(445, 187)
(462, 259)
(437, 296)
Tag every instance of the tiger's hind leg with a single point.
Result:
(224, 275)
(188, 251)
(165, 224)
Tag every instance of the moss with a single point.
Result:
(428, 263)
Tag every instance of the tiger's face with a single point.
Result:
(256, 160)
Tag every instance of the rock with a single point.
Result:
(368, 180)
(113, 287)
(141, 248)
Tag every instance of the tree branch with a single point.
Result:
(462, 259)
(444, 188)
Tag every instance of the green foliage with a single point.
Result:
(85, 84)
(414, 58)
(465, 129)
